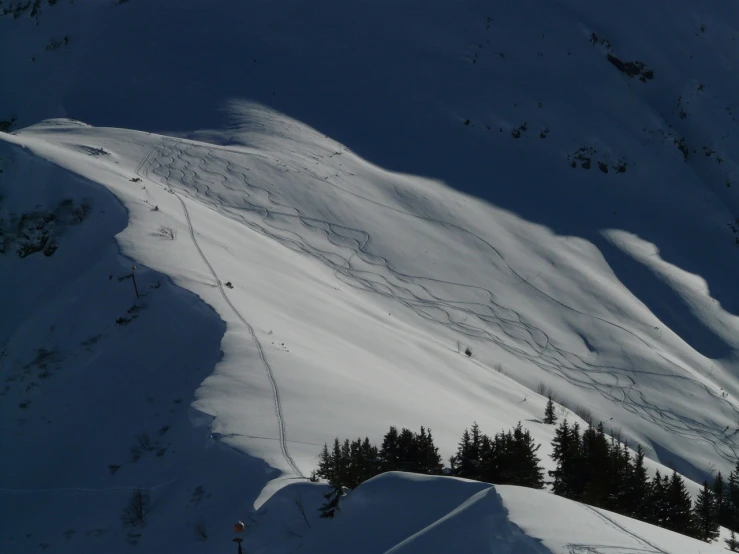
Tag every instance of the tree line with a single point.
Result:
(505, 458)
(591, 467)
(598, 470)
(348, 464)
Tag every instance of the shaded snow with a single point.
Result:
(300, 286)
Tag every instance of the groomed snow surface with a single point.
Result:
(294, 287)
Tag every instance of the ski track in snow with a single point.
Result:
(607, 549)
(597, 549)
(171, 163)
(142, 171)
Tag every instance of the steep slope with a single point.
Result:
(550, 185)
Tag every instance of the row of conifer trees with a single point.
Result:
(601, 471)
(591, 467)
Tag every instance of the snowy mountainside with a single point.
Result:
(240, 246)
(550, 185)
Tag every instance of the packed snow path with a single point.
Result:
(142, 171)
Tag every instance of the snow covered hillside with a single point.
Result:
(321, 208)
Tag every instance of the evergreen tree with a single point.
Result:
(490, 467)
(371, 458)
(429, 460)
(723, 505)
(658, 502)
(637, 489)
(593, 485)
(333, 498)
(566, 451)
(325, 464)
(619, 470)
(550, 415)
(343, 466)
(732, 543)
(338, 463)
(706, 515)
(407, 450)
(363, 463)
(355, 465)
(732, 497)
(679, 507)
(348, 464)
(389, 451)
(529, 472)
(467, 460)
(504, 453)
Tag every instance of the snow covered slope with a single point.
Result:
(398, 512)
(356, 194)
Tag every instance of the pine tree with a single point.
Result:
(732, 497)
(732, 543)
(467, 460)
(679, 507)
(658, 502)
(325, 464)
(706, 515)
(620, 470)
(407, 451)
(343, 466)
(567, 452)
(529, 471)
(429, 458)
(333, 498)
(550, 415)
(723, 506)
(504, 449)
(371, 459)
(638, 488)
(490, 463)
(338, 465)
(356, 464)
(595, 474)
(475, 444)
(389, 451)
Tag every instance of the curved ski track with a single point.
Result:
(176, 162)
(142, 171)
(598, 549)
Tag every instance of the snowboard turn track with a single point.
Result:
(188, 169)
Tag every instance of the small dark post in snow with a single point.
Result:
(133, 278)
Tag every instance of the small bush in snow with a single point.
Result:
(544, 390)
(135, 513)
(167, 232)
(7, 124)
(584, 413)
(201, 533)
